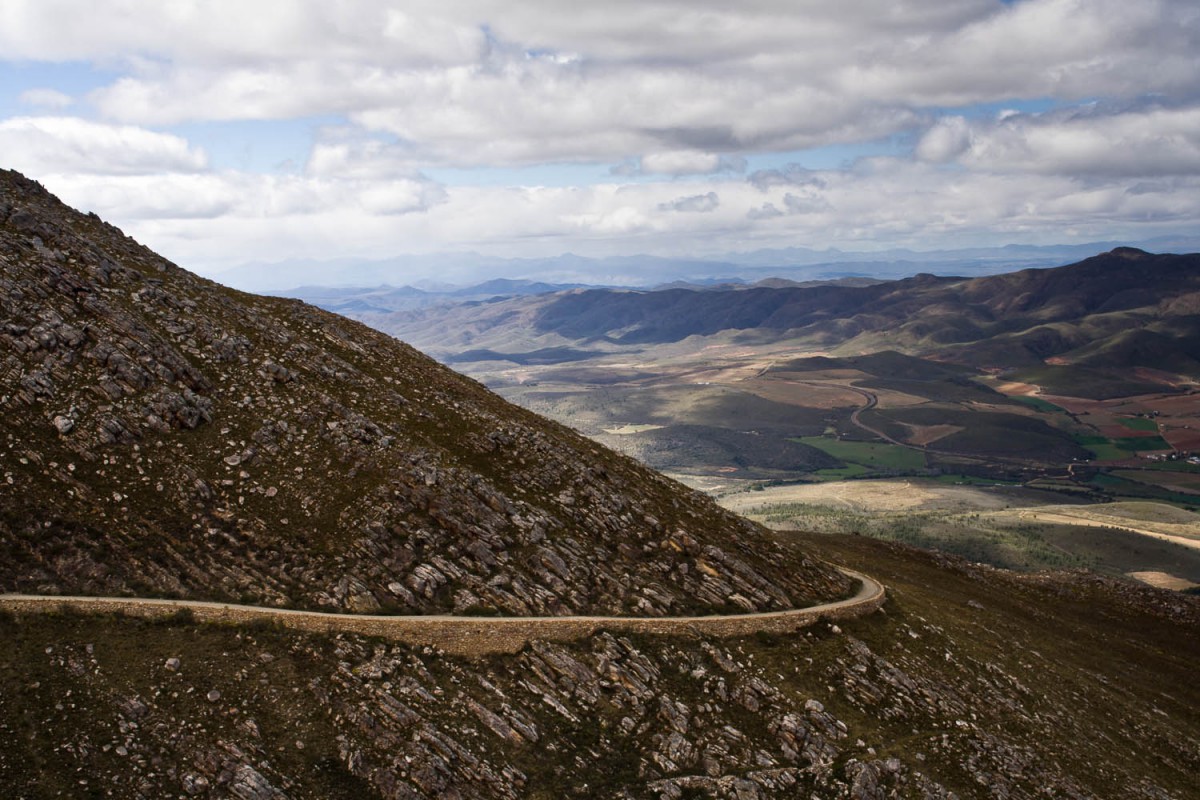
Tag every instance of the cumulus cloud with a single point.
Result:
(40, 145)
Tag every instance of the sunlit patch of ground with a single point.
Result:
(1163, 580)
(1156, 520)
(922, 435)
(628, 430)
(879, 496)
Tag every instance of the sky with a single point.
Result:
(221, 133)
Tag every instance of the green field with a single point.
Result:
(842, 473)
(1174, 466)
(1139, 424)
(1039, 404)
(877, 456)
(1124, 487)
(1105, 449)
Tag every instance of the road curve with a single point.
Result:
(470, 636)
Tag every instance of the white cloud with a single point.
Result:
(45, 98)
(677, 94)
(466, 83)
(1137, 142)
(39, 145)
(208, 221)
(946, 140)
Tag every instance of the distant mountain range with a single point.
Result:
(1117, 311)
(446, 272)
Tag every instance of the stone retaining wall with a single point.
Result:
(470, 636)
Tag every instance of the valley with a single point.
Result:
(1077, 383)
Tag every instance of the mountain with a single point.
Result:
(1116, 311)
(792, 263)
(164, 436)
(383, 299)
(167, 436)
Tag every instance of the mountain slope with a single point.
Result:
(163, 435)
(975, 683)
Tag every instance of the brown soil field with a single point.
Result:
(1178, 416)
(1182, 438)
(1119, 431)
(1179, 405)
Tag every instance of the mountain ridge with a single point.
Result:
(1011, 320)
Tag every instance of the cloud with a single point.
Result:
(1149, 141)
(209, 221)
(39, 145)
(344, 154)
(466, 83)
(946, 140)
(765, 211)
(805, 203)
(680, 162)
(695, 203)
(677, 95)
(789, 175)
(45, 98)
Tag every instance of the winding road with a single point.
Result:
(471, 636)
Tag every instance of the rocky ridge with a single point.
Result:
(165, 436)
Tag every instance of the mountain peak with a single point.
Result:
(1130, 253)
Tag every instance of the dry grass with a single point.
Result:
(877, 497)
(1162, 580)
(1155, 520)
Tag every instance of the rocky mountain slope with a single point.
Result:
(164, 436)
(972, 683)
